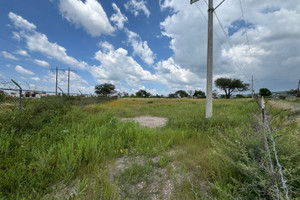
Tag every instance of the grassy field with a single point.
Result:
(59, 151)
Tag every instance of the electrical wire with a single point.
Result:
(235, 60)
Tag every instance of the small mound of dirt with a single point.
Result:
(148, 121)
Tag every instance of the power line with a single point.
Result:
(221, 43)
(235, 60)
(229, 43)
(246, 32)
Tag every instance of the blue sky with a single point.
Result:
(159, 46)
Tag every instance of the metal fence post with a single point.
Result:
(20, 100)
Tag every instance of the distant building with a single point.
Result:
(283, 94)
(12, 94)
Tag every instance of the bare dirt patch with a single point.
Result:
(148, 121)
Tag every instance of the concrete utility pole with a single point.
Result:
(209, 77)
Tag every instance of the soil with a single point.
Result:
(148, 121)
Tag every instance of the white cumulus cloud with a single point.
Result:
(23, 71)
(118, 18)
(140, 47)
(135, 7)
(88, 14)
(9, 56)
(116, 65)
(39, 42)
(21, 23)
(176, 77)
(271, 51)
(22, 53)
(41, 63)
(35, 78)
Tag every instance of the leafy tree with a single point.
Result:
(105, 89)
(231, 85)
(181, 93)
(172, 95)
(264, 92)
(199, 94)
(142, 93)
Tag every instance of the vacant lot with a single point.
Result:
(60, 151)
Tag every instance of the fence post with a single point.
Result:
(20, 100)
(263, 109)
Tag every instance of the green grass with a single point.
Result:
(222, 157)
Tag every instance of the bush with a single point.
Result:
(240, 96)
(281, 97)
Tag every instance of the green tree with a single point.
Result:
(199, 94)
(172, 95)
(181, 93)
(265, 92)
(143, 94)
(105, 89)
(229, 86)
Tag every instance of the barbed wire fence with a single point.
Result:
(268, 130)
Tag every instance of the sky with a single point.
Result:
(159, 46)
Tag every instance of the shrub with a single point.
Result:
(240, 96)
(281, 97)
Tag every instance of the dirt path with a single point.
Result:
(148, 121)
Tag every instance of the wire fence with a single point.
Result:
(13, 98)
(268, 129)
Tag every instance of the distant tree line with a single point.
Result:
(228, 85)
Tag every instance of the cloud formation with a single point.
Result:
(136, 7)
(23, 71)
(270, 48)
(9, 55)
(22, 53)
(116, 65)
(38, 42)
(41, 63)
(88, 15)
(140, 47)
(118, 18)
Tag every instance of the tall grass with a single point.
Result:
(55, 142)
